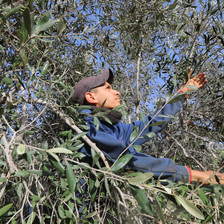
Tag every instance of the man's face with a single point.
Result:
(105, 92)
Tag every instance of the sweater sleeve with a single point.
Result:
(107, 140)
(162, 168)
(163, 116)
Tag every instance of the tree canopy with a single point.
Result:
(46, 47)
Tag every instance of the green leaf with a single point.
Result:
(149, 135)
(4, 209)
(107, 185)
(28, 133)
(23, 34)
(97, 183)
(44, 18)
(221, 210)
(61, 26)
(191, 208)
(57, 165)
(158, 208)
(177, 98)
(119, 107)
(3, 179)
(40, 91)
(210, 218)
(79, 155)
(7, 81)
(62, 84)
(142, 116)
(19, 190)
(27, 22)
(13, 11)
(65, 133)
(134, 134)
(95, 158)
(143, 201)
(90, 215)
(23, 54)
(173, 5)
(203, 196)
(123, 161)
(107, 120)
(46, 26)
(21, 149)
(68, 197)
(28, 157)
(59, 150)
(142, 178)
(68, 214)
(54, 156)
(44, 68)
(44, 23)
(138, 148)
(92, 188)
(45, 145)
(31, 218)
(2, 163)
(70, 178)
(22, 173)
(168, 94)
(61, 212)
(76, 148)
(175, 80)
(36, 172)
(168, 116)
(96, 123)
(81, 134)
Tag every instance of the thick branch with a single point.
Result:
(69, 121)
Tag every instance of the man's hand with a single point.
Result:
(198, 81)
(207, 177)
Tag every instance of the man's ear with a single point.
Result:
(90, 98)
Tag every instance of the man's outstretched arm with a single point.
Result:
(207, 177)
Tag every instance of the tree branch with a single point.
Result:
(69, 121)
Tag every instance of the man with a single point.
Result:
(113, 138)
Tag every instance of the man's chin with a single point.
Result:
(118, 104)
(112, 107)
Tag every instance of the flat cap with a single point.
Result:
(85, 85)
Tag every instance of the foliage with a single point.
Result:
(46, 47)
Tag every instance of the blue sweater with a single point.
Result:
(113, 139)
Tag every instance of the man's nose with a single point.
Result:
(116, 92)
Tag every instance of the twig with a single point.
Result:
(204, 139)
(185, 153)
(71, 211)
(137, 86)
(118, 207)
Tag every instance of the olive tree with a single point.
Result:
(46, 48)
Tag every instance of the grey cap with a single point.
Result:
(85, 85)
